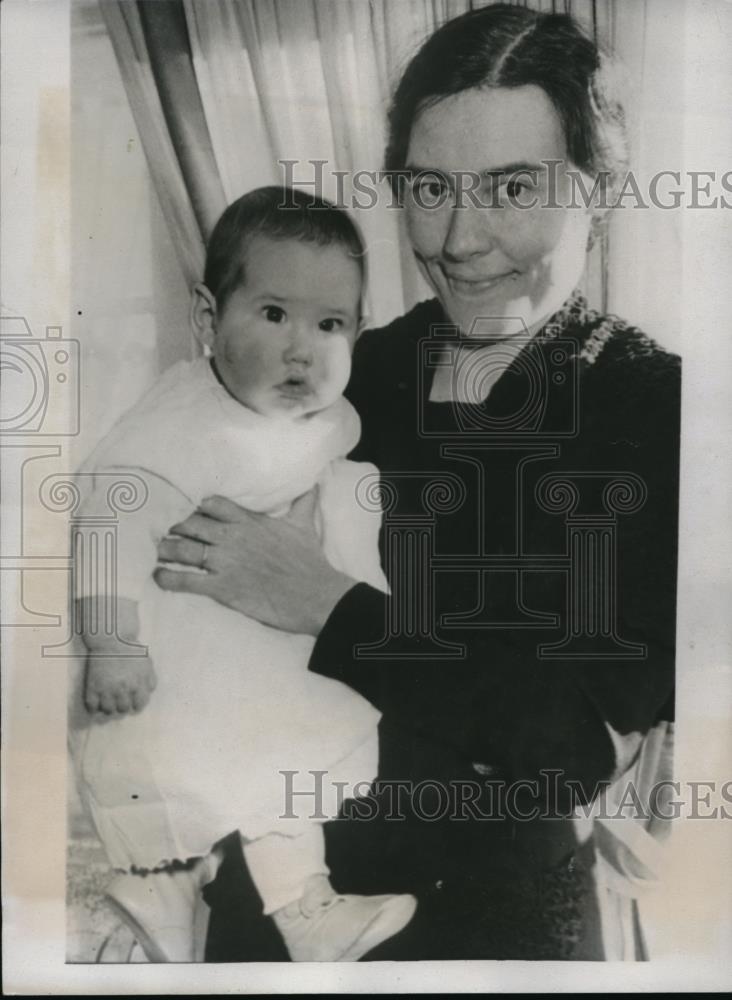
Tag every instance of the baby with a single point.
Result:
(194, 736)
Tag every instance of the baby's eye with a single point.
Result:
(273, 314)
(330, 324)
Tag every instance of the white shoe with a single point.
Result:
(164, 911)
(325, 927)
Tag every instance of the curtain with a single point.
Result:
(221, 90)
(129, 296)
(644, 277)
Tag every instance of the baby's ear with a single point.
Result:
(203, 315)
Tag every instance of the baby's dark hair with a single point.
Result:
(280, 213)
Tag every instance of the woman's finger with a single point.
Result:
(187, 551)
(201, 528)
(180, 582)
(222, 509)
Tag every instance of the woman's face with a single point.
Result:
(491, 262)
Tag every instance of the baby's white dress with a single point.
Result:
(235, 705)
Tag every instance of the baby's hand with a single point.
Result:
(117, 685)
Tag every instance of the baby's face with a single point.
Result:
(284, 338)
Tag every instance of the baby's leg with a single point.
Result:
(318, 925)
(281, 866)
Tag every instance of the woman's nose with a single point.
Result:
(470, 232)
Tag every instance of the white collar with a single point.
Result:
(468, 374)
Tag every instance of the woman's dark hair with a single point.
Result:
(506, 46)
(281, 213)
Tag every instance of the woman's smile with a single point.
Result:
(475, 286)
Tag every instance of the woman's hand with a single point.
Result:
(270, 569)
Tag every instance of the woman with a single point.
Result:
(529, 451)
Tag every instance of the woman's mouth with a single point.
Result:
(474, 286)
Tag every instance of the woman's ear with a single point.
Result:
(203, 315)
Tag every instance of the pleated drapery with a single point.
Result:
(222, 91)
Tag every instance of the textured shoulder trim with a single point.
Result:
(597, 335)
(612, 339)
(603, 336)
(595, 343)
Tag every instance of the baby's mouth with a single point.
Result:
(295, 386)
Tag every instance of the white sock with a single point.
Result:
(280, 866)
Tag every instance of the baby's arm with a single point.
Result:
(119, 675)
(117, 680)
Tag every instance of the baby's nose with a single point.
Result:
(300, 348)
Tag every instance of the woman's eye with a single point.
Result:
(273, 314)
(515, 189)
(428, 190)
(330, 324)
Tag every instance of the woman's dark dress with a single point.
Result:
(473, 705)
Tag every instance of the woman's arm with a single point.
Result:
(489, 706)
(499, 705)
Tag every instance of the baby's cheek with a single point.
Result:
(337, 364)
(247, 359)
(231, 352)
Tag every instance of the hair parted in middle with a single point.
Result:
(502, 45)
